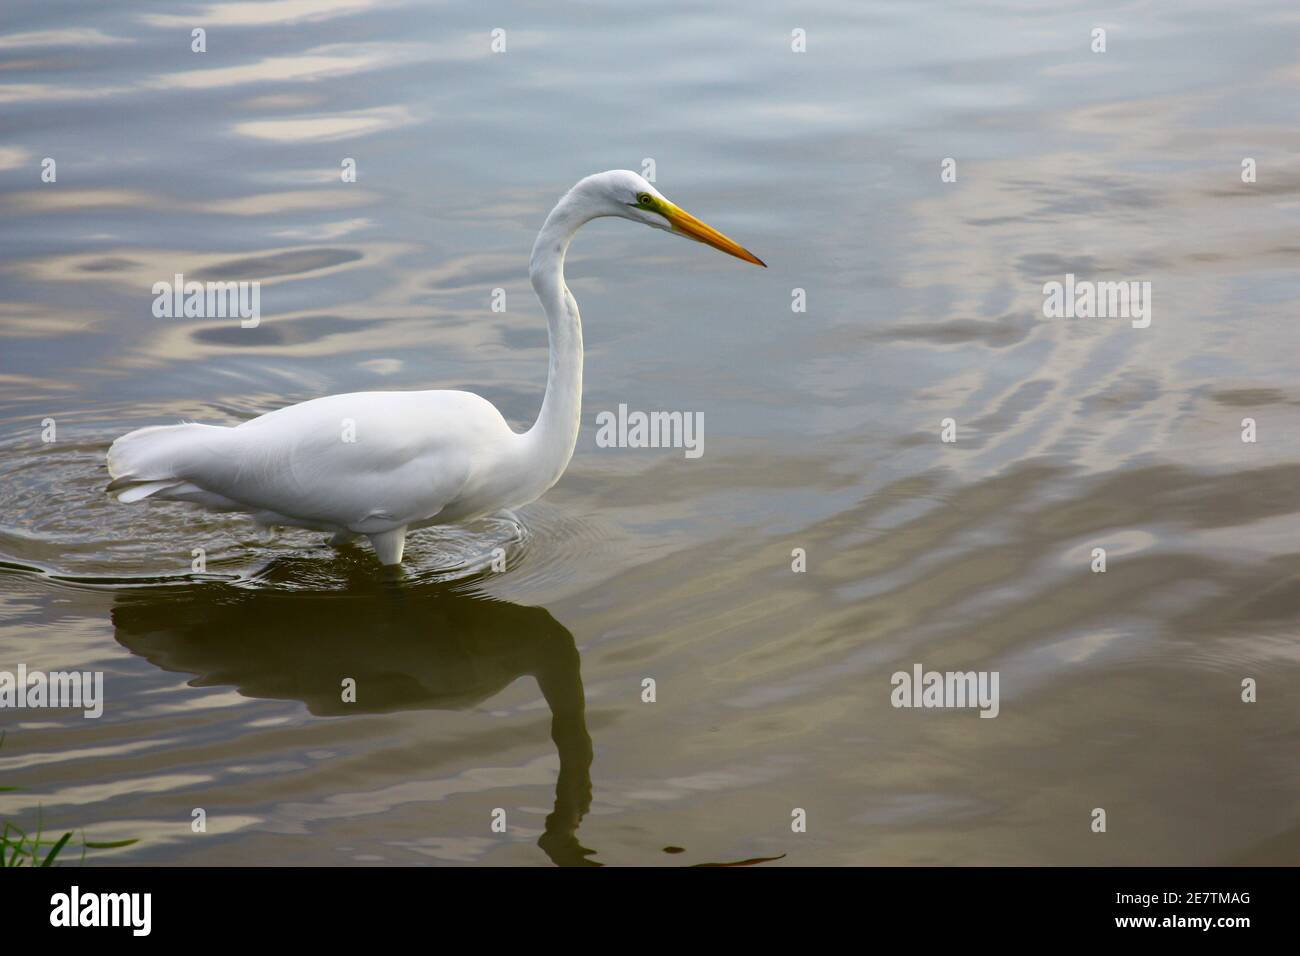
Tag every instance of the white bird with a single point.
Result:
(416, 458)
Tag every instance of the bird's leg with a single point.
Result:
(341, 538)
(389, 545)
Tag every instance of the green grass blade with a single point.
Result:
(110, 845)
(49, 860)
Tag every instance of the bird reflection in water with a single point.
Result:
(409, 646)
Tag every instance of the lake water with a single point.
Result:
(518, 695)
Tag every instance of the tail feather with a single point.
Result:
(129, 491)
(148, 461)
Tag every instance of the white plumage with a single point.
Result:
(381, 463)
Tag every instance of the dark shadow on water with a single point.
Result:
(409, 647)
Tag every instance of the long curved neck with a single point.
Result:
(551, 440)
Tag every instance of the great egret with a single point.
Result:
(415, 458)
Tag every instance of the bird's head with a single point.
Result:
(622, 193)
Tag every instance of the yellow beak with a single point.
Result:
(683, 222)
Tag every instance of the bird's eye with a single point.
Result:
(643, 198)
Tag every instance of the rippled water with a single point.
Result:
(522, 690)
